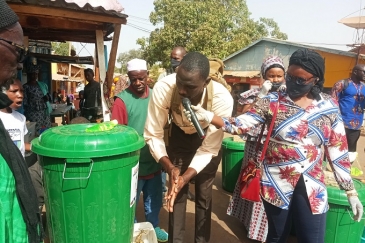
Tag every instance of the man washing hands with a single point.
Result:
(188, 156)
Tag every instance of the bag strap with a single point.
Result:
(275, 112)
(260, 137)
(210, 96)
(345, 84)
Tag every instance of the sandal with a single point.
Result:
(161, 234)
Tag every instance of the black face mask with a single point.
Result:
(276, 85)
(174, 63)
(295, 90)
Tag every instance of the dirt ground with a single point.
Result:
(224, 227)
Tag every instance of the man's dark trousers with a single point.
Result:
(181, 151)
(352, 138)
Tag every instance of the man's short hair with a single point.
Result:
(179, 48)
(6, 85)
(88, 70)
(195, 61)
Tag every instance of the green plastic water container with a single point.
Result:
(232, 155)
(340, 227)
(90, 181)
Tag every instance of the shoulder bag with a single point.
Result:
(251, 173)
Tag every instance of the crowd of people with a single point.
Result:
(292, 182)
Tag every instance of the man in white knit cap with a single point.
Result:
(130, 108)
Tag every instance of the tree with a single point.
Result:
(154, 72)
(62, 48)
(217, 28)
(125, 57)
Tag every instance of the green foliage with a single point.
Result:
(62, 48)
(272, 29)
(125, 57)
(117, 69)
(154, 73)
(217, 28)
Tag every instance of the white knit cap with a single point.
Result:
(136, 64)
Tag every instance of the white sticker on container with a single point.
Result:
(134, 182)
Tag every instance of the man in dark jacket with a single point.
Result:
(92, 96)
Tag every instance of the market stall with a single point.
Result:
(73, 20)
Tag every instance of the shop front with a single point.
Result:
(241, 81)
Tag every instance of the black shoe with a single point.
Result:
(191, 196)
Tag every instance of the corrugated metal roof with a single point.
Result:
(283, 42)
(71, 6)
(243, 74)
(62, 21)
(107, 4)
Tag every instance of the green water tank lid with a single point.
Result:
(337, 196)
(230, 144)
(71, 141)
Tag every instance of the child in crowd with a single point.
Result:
(13, 121)
(15, 124)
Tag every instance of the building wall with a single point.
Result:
(337, 66)
(252, 58)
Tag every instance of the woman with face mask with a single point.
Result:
(293, 189)
(252, 214)
(273, 74)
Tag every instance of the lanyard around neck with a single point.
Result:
(358, 88)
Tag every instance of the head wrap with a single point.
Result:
(313, 63)
(270, 61)
(136, 64)
(7, 16)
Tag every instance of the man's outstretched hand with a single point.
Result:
(174, 174)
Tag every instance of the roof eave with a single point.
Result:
(324, 49)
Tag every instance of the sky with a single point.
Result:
(305, 21)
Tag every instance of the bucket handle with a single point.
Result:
(77, 178)
(348, 211)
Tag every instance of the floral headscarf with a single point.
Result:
(270, 61)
